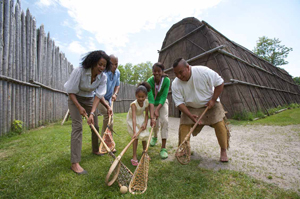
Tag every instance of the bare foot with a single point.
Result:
(223, 157)
(77, 168)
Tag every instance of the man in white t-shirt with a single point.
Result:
(193, 89)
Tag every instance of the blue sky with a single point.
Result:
(135, 29)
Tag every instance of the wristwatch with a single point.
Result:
(92, 113)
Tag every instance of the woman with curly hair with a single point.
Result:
(84, 83)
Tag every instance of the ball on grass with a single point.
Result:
(123, 189)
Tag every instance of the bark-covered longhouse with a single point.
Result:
(251, 83)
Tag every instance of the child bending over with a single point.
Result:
(137, 118)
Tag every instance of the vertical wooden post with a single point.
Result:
(1, 70)
(52, 81)
(17, 59)
(10, 66)
(49, 76)
(59, 83)
(28, 55)
(41, 63)
(28, 100)
(24, 69)
(57, 66)
(13, 62)
(62, 61)
(34, 63)
(44, 78)
(38, 78)
(6, 27)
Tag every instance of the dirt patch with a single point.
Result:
(4, 154)
(268, 153)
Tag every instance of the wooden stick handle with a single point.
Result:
(128, 145)
(67, 113)
(192, 129)
(150, 136)
(97, 133)
(112, 108)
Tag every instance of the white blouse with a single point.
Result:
(79, 83)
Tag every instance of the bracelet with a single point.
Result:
(116, 94)
(92, 113)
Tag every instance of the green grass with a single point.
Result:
(36, 164)
(250, 116)
(287, 117)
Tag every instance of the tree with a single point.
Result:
(126, 72)
(135, 74)
(297, 80)
(145, 71)
(272, 51)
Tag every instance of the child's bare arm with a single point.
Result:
(144, 126)
(133, 109)
(146, 115)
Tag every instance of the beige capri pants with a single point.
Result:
(162, 122)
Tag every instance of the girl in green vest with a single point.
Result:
(159, 106)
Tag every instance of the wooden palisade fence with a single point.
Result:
(32, 71)
(125, 97)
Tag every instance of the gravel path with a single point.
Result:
(268, 153)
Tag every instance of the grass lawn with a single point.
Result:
(36, 164)
(287, 117)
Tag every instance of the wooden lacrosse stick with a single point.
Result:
(107, 137)
(125, 174)
(183, 153)
(66, 117)
(115, 167)
(138, 183)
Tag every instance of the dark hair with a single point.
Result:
(176, 62)
(144, 87)
(91, 59)
(161, 66)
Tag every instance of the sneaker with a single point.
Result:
(153, 141)
(163, 153)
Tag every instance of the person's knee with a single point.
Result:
(77, 128)
(221, 133)
(105, 115)
(183, 131)
(164, 124)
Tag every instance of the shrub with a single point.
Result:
(244, 115)
(294, 105)
(17, 126)
(260, 114)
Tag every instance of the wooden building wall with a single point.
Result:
(251, 83)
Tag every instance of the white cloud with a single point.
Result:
(112, 21)
(45, 3)
(77, 48)
(91, 44)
